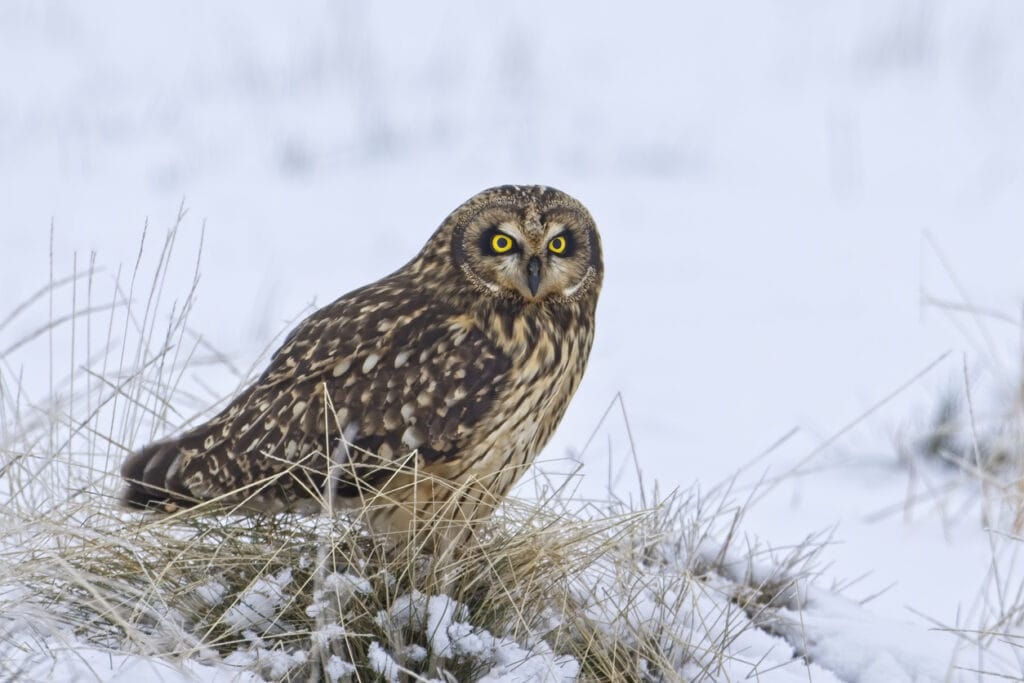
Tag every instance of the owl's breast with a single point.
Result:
(547, 364)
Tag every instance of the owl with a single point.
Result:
(418, 399)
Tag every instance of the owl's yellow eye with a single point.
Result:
(501, 243)
(557, 245)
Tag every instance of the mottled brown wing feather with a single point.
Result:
(374, 367)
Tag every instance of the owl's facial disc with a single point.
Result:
(530, 243)
(531, 257)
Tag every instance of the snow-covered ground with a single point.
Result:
(781, 190)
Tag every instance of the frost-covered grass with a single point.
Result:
(967, 461)
(546, 591)
(553, 588)
(985, 442)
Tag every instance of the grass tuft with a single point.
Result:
(550, 588)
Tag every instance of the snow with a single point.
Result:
(436, 612)
(327, 634)
(212, 593)
(451, 634)
(781, 191)
(336, 668)
(859, 647)
(381, 662)
(339, 587)
(272, 664)
(256, 608)
(345, 585)
(32, 653)
(77, 662)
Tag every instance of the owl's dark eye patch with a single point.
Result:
(495, 242)
(563, 244)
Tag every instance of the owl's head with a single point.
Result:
(531, 243)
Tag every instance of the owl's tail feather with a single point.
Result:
(154, 479)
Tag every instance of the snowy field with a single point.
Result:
(813, 225)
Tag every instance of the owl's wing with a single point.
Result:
(379, 378)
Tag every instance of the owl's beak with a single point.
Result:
(533, 274)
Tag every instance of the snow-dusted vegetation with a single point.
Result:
(797, 453)
(556, 588)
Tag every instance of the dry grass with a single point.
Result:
(598, 590)
(983, 455)
(977, 424)
(968, 460)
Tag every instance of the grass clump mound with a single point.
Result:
(551, 588)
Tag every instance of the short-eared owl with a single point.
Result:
(426, 393)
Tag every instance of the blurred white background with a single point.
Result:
(777, 185)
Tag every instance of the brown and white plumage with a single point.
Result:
(427, 392)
